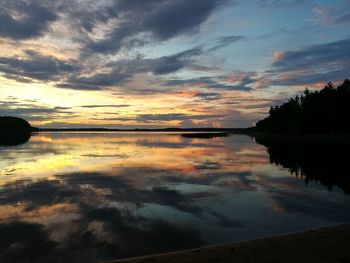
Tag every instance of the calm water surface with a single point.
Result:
(86, 197)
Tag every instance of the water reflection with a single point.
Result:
(320, 161)
(13, 139)
(85, 197)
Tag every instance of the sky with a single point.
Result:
(165, 63)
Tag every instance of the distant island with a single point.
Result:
(14, 131)
(319, 112)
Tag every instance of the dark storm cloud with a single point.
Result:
(24, 19)
(212, 83)
(317, 63)
(162, 19)
(225, 41)
(36, 66)
(123, 71)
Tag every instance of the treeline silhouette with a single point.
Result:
(319, 161)
(14, 131)
(319, 112)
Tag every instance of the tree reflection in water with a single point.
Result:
(320, 161)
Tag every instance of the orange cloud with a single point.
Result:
(279, 55)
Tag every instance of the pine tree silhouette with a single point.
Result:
(319, 112)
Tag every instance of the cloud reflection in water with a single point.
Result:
(84, 197)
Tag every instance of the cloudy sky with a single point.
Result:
(162, 63)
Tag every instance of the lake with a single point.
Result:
(86, 197)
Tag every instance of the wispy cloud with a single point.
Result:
(225, 41)
(318, 63)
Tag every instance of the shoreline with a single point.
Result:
(327, 244)
(208, 134)
(301, 137)
(229, 130)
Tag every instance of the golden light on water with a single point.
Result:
(115, 188)
(49, 154)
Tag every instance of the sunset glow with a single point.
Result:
(183, 63)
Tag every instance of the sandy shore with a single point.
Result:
(322, 245)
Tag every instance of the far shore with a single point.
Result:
(228, 130)
(329, 244)
(219, 132)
